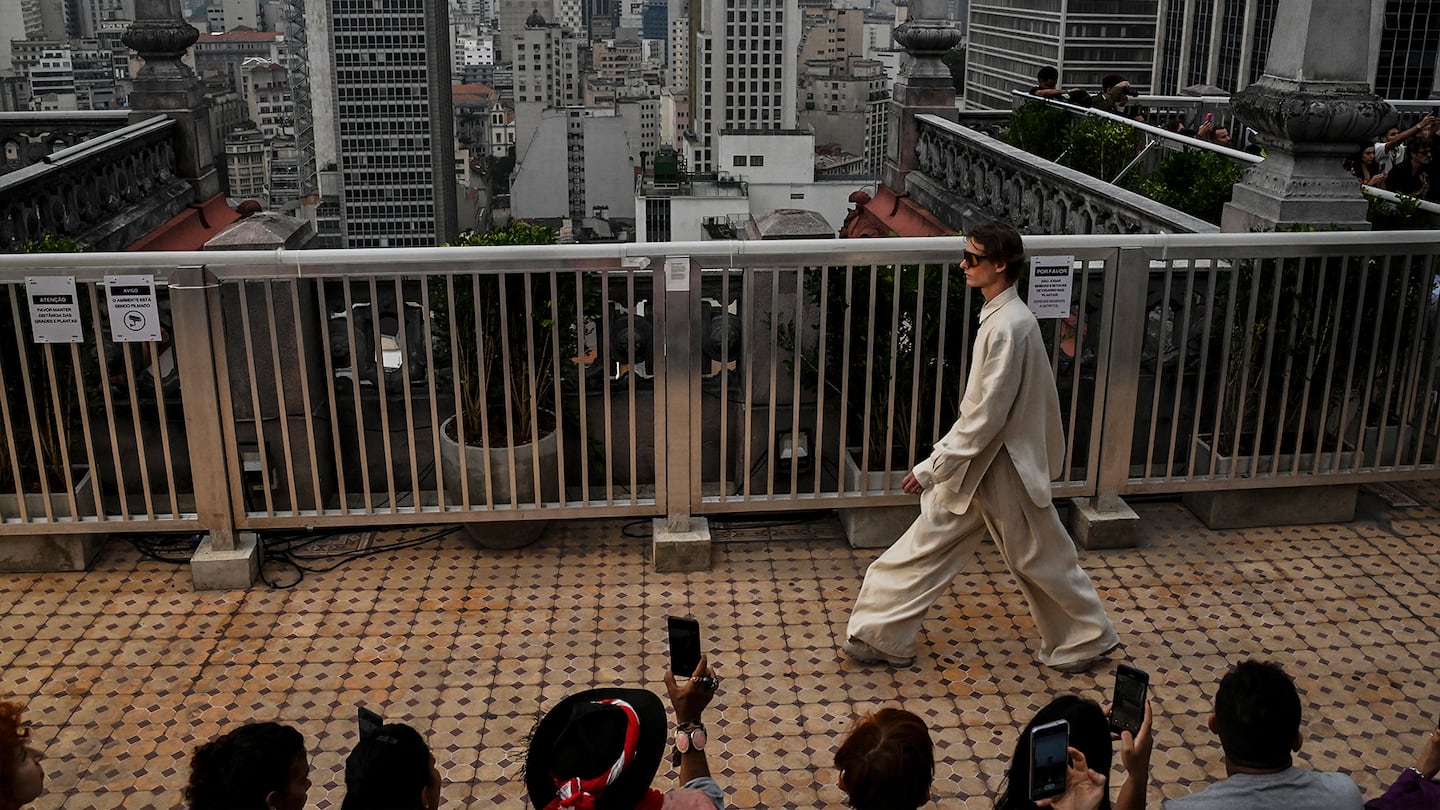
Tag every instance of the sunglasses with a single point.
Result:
(974, 258)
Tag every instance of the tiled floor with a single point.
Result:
(124, 669)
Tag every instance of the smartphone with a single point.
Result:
(684, 645)
(1210, 116)
(1049, 759)
(370, 722)
(1127, 710)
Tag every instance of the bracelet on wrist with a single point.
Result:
(688, 737)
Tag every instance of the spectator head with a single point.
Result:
(391, 769)
(256, 765)
(21, 777)
(1047, 77)
(1089, 733)
(1420, 154)
(1001, 242)
(1257, 715)
(887, 762)
(604, 742)
(1222, 136)
(1110, 80)
(1391, 132)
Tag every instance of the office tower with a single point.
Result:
(1010, 40)
(677, 53)
(389, 65)
(744, 57)
(1220, 44)
(1407, 50)
(220, 57)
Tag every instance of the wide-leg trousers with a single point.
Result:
(902, 584)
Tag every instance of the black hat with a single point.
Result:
(583, 737)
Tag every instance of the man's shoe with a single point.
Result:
(865, 654)
(1084, 664)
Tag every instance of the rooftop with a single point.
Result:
(125, 670)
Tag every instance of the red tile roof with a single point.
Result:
(190, 229)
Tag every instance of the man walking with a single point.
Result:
(992, 470)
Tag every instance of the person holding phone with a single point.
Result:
(990, 473)
(601, 748)
(1091, 733)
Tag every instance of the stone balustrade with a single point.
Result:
(27, 138)
(105, 192)
(965, 176)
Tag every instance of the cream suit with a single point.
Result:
(992, 470)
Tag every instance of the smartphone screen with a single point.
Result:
(1049, 759)
(684, 645)
(1127, 710)
(370, 722)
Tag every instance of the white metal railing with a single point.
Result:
(307, 388)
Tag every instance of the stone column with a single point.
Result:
(1311, 108)
(166, 85)
(924, 86)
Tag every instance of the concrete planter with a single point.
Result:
(543, 454)
(874, 526)
(1270, 506)
(50, 552)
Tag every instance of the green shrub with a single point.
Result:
(1196, 181)
(1039, 129)
(1100, 148)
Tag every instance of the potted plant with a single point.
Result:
(503, 337)
(42, 460)
(1326, 339)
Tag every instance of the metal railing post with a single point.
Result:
(678, 318)
(194, 302)
(1126, 283)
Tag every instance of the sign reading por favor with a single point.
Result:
(134, 315)
(1050, 280)
(54, 309)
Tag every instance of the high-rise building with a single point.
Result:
(1407, 49)
(743, 55)
(1010, 40)
(1224, 44)
(227, 15)
(547, 73)
(389, 65)
(677, 53)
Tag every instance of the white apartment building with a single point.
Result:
(547, 73)
(227, 15)
(578, 160)
(267, 95)
(641, 115)
(744, 71)
(844, 103)
(679, 50)
(246, 165)
(52, 81)
(674, 116)
(476, 48)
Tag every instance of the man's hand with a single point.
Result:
(911, 484)
(1084, 788)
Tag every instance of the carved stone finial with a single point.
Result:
(161, 43)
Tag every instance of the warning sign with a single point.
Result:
(54, 309)
(134, 315)
(1050, 282)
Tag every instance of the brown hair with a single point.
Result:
(888, 761)
(1003, 243)
(12, 738)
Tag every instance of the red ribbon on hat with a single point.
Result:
(581, 794)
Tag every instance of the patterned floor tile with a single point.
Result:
(124, 669)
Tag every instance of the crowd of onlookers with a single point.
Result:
(1399, 161)
(601, 749)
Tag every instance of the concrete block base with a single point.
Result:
(1093, 529)
(48, 552)
(876, 526)
(212, 570)
(1278, 506)
(676, 552)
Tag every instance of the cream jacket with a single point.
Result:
(1010, 401)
